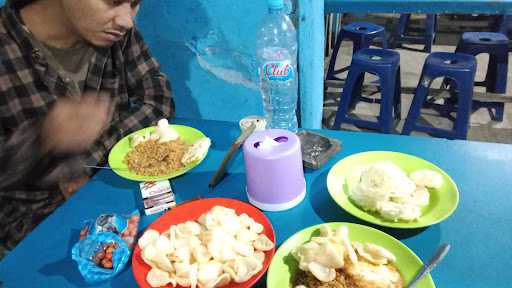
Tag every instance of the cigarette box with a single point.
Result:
(157, 196)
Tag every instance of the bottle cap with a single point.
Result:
(258, 121)
(276, 4)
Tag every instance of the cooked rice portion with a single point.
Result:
(363, 275)
(150, 158)
(308, 280)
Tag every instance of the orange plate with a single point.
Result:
(191, 211)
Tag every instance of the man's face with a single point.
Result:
(101, 22)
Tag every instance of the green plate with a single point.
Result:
(284, 266)
(116, 156)
(443, 201)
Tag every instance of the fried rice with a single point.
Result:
(308, 280)
(351, 276)
(151, 158)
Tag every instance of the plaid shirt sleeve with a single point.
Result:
(19, 153)
(22, 158)
(149, 93)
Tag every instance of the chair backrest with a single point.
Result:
(207, 48)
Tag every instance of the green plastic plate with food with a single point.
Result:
(393, 189)
(147, 144)
(285, 271)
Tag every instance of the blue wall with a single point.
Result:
(207, 49)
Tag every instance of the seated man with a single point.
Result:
(75, 77)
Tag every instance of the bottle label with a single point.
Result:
(281, 71)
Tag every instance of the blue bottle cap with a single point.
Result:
(276, 4)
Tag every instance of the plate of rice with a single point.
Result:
(393, 189)
(158, 153)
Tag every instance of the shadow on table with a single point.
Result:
(195, 185)
(112, 179)
(327, 209)
(66, 268)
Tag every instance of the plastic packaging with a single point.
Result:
(85, 252)
(277, 62)
(125, 226)
(317, 149)
(105, 246)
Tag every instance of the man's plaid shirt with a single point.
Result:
(29, 86)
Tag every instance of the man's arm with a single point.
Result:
(20, 154)
(149, 93)
(46, 150)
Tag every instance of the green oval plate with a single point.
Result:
(116, 155)
(443, 201)
(283, 266)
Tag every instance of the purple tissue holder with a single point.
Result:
(275, 177)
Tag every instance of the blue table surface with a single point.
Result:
(479, 230)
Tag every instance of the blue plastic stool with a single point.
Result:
(362, 34)
(401, 37)
(461, 69)
(386, 65)
(496, 45)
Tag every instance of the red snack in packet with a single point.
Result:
(125, 226)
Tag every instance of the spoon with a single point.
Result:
(436, 258)
(103, 167)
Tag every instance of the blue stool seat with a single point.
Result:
(496, 45)
(386, 65)
(460, 69)
(400, 36)
(361, 34)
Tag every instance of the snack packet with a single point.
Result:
(95, 268)
(125, 226)
(105, 245)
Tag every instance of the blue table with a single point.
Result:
(479, 230)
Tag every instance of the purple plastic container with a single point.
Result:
(273, 168)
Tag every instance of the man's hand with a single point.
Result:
(72, 125)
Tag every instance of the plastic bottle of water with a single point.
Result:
(288, 7)
(277, 61)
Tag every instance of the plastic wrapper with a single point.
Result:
(124, 226)
(105, 245)
(85, 252)
(316, 148)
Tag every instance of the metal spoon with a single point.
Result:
(436, 258)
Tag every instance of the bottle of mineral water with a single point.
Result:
(288, 7)
(277, 62)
